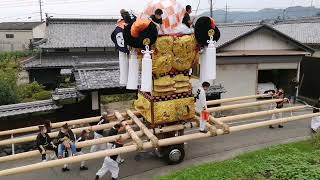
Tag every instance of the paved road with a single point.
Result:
(197, 152)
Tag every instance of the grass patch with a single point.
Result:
(298, 160)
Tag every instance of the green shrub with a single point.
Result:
(42, 95)
(315, 140)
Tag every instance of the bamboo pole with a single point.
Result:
(59, 124)
(243, 105)
(258, 114)
(147, 145)
(87, 143)
(220, 101)
(144, 129)
(55, 134)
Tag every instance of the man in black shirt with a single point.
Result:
(66, 140)
(157, 18)
(99, 134)
(279, 105)
(112, 132)
(44, 143)
(186, 19)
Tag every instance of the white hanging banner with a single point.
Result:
(124, 66)
(208, 60)
(146, 72)
(133, 73)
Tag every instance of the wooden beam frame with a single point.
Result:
(108, 139)
(144, 129)
(147, 145)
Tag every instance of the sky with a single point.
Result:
(28, 10)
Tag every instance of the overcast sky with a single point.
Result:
(22, 10)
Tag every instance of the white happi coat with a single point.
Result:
(201, 101)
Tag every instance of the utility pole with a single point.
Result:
(211, 9)
(226, 15)
(40, 4)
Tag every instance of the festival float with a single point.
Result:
(158, 65)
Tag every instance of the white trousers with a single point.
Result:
(98, 147)
(203, 124)
(109, 165)
(277, 116)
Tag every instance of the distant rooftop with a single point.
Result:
(304, 30)
(18, 25)
(69, 60)
(79, 33)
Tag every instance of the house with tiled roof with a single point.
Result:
(254, 53)
(16, 36)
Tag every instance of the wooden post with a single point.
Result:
(59, 124)
(144, 129)
(147, 145)
(243, 105)
(258, 114)
(220, 101)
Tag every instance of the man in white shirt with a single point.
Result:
(201, 104)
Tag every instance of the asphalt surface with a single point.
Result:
(199, 151)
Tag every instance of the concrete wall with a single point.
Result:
(237, 79)
(260, 40)
(39, 31)
(20, 41)
(270, 66)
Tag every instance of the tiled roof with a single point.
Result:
(26, 108)
(66, 93)
(18, 25)
(76, 33)
(305, 32)
(103, 77)
(68, 60)
(230, 32)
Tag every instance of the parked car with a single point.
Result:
(264, 88)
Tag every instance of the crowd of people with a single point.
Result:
(65, 145)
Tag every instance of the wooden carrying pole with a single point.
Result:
(59, 124)
(96, 119)
(55, 134)
(220, 101)
(258, 114)
(87, 143)
(243, 105)
(147, 145)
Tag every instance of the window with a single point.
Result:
(9, 36)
